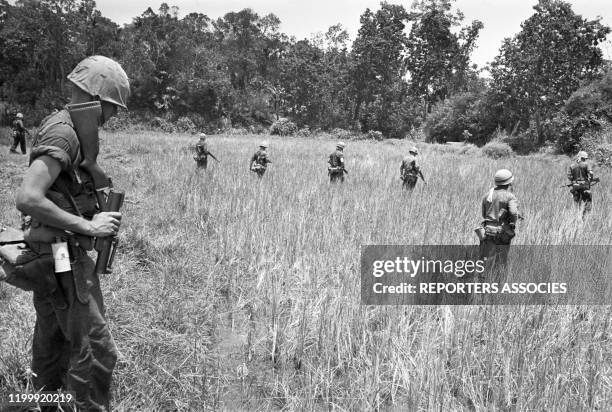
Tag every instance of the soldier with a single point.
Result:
(580, 176)
(202, 153)
(19, 132)
(260, 160)
(72, 347)
(410, 169)
(336, 169)
(500, 213)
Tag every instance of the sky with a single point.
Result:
(501, 18)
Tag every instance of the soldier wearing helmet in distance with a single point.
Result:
(581, 177)
(500, 213)
(410, 170)
(336, 168)
(260, 160)
(19, 132)
(72, 347)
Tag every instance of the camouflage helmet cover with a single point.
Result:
(202, 136)
(264, 144)
(19, 116)
(583, 155)
(102, 77)
(340, 145)
(503, 177)
(414, 150)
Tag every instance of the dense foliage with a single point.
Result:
(407, 68)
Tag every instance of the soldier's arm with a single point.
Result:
(570, 175)
(484, 207)
(513, 212)
(589, 171)
(32, 201)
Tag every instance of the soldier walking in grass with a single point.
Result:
(336, 169)
(500, 212)
(410, 170)
(19, 132)
(202, 153)
(260, 160)
(581, 178)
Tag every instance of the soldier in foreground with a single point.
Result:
(410, 169)
(72, 347)
(336, 169)
(581, 177)
(202, 153)
(260, 160)
(500, 213)
(19, 132)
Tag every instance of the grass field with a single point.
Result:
(233, 293)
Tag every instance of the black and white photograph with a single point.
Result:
(341, 205)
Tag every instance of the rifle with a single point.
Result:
(592, 182)
(422, 178)
(86, 119)
(213, 156)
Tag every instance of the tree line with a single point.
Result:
(407, 69)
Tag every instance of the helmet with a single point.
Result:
(503, 177)
(19, 116)
(202, 136)
(340, 145)
(414, 150)
(583, 155)
(264, 144)
(102, 77)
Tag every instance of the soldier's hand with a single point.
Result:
(105, 224)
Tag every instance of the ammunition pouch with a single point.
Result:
(499, 233)
(580, 185)
(26, 269)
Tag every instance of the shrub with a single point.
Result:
(497, 150)
(598, 143)
(375, 135)
(283, 127)
(163, 125)
(304, 132)
(186, 125)
(341, 134)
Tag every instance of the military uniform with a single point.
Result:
(72, 346)
(259, 162)
(336, 166)
(201, 154)
(409, 171)
(500, 213)
(19, 132)
(580, 176)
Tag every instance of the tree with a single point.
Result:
(378, 65)
(538, 69)
(437, 58)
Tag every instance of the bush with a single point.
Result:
(375, 135)
(186, 125)
(341, 134)
(163, 125)
(465, 117)
(497, 150)
(598, 144)
(283, 127)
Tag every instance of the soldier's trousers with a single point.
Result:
(495, 254)
(19, 139)
(336, 177)
(583, 195)
(202, 163)
(409, 182)
(72, 346)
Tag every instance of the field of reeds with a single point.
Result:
(233, 293)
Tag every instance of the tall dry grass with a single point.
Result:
(233, 293)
